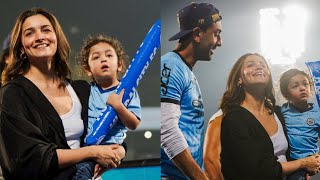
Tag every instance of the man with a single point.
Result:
(182, 112)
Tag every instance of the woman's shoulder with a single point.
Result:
(11, 90)
(79, 83)
(82, 89)
(279, 109)
(13, 94)
(237, 111)
(14, 87)
(236, 116)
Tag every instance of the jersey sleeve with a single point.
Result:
(134, 105)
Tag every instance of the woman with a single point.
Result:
(253, 137)
(42, 125)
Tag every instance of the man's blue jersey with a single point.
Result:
(180, 86)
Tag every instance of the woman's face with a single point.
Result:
(38, 38)
(254, 71)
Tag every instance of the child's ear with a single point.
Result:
(120, 66)
(89, 73)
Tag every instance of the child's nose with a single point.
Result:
(302, 88)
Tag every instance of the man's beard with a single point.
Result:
(201, 54)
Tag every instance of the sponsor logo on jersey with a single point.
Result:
(197, 103)
(165, 77)
(310, 121)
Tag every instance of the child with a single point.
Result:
(103, 58)
(302, 118)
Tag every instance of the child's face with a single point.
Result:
(103, 62)
(298, 89)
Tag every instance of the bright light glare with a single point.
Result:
(283, 34)
(270, 33)
(148, 134)
(294, 31)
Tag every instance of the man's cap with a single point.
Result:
(195, 15)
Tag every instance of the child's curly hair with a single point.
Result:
(115, 43)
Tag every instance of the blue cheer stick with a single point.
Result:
(314, 68)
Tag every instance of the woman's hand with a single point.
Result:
(121, 152)
(107, 155)
(99, 170)
(311, 164)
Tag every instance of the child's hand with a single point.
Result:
(99, 170)
(308, 177)
(115, 100)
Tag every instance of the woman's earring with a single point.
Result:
(23, 56)
(239, 85)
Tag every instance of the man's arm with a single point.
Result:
(174, 143)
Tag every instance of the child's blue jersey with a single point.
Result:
(98, 102)
(303, 130)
